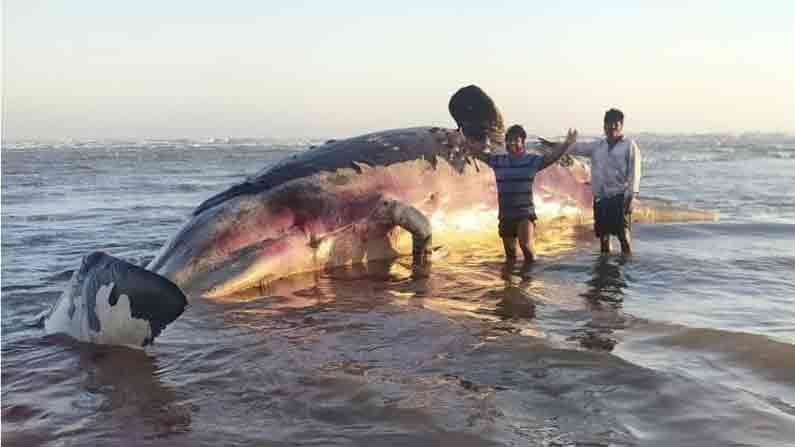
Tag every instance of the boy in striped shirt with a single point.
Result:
(480, 125)
(515, 172)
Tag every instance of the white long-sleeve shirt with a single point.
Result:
(613, 171)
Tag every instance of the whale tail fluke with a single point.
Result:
(476, 114)
(111, 301)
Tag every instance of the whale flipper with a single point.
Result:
(412, 220)
(110, 301)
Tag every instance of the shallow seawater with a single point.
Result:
(689, 342)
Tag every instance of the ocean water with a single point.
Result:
(689, 342)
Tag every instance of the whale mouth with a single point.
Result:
(241, 269)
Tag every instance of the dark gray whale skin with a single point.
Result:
(376, 149)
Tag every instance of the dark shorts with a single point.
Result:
(509, 226)
(610, 217)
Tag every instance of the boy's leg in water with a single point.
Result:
(509, 244)
(526, 231)
(598, 226)
(604, 244)
(626, 241)
(625, 235)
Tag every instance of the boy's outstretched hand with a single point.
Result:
(571, 138)
(554, 151)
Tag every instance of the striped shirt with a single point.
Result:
(515, 182)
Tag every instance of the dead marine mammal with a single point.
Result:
(369, 197)
(364, 198)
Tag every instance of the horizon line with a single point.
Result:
(220, 139)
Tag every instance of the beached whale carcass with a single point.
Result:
(369, 197)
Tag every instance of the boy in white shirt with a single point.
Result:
(615, 181)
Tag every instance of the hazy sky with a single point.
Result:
(173, 68)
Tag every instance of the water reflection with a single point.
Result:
(606, 297)
(87, 392)
(118, 382)
(356, 287)
(607, 282)
(515, 301)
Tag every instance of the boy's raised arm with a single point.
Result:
(580, 148)
(556, 150)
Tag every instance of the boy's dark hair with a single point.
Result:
(614, 116)
(515, 131)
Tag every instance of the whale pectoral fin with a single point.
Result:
(412, 220)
